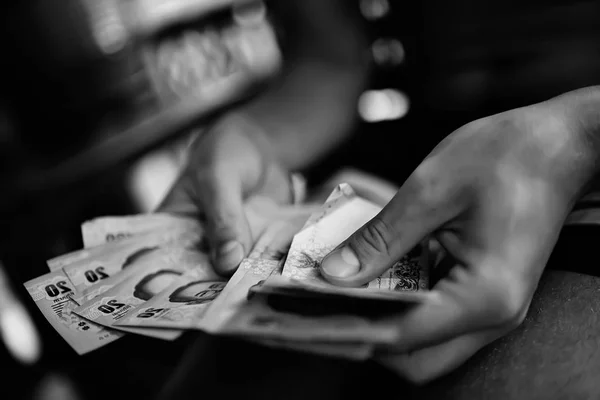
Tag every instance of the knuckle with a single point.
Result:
(374, 238)
(506, 301)
(509, 312)
(222, 222)
(428, 185)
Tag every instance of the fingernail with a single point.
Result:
(230, 255)
(341, 263)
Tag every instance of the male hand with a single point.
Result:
(228, 164)
(490, 201)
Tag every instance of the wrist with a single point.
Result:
(308, 112)
(580, 110)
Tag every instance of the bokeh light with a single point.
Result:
(382, 105)
(388, 52)
(374, 9)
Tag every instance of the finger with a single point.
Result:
(221, 202)
(464, 301)
(415, 211)
(489, 284)
(427, 364)
(433, 257)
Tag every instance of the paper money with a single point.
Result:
(275, 239)
(258, 318)
(53, 294)
(103, 230)
(324, 230)
(280, 286)
(165, 310)
(266, 258)
(260, 212)
(189, 231)
(152, 272)
(231, 313)
(182, 305)
(341, 215)
(115, 304)
(154, 281)
(94, 274)
(233, 296)
(59, 262)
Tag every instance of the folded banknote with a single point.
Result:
(150, 274)
(53, 294)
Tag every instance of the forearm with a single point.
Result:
(581, 109)
(310, 109)
(584, 105)
(311, 115)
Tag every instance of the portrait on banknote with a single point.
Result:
(154, 283)
(197, 292)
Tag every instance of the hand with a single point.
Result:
(490, 201)
(228, 164)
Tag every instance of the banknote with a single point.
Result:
(247, 307)
(181, 305)
(275, 239)
(152, 272)
(175, 233)
(53, 294)
(265, 259)
(179, 256)
(184, 304)
(116, 303)
(341, 215)
(56, 263)
(95, 274)
(260, 212)
(273, 225)
(178, 305)
(233, 296)
(113, 228)
(278, 286)
(232, 314)
(259, 318)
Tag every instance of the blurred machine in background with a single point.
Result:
(91, 86)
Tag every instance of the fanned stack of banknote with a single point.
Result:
(151, 275)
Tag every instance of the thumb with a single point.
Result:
(382, 241)
(227, 230)
(215, 193)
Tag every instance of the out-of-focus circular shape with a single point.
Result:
(374, 9)
(107, 25)
(19, 334)
(56, 387)
(388, 52)
(112, 38)
(382, 105)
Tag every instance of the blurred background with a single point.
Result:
(100, 100)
